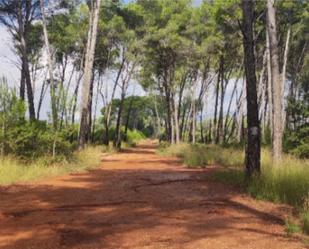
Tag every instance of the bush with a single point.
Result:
(297, 142)
(28, 140)
(35, 139)
(134, 136)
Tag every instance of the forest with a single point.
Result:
(220, 85)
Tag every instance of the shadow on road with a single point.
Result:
(155, 202)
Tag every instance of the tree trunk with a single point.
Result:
(269, 88)
(183, 122)
(117, 140)
(253, 149)
(158, 123)
(169, 124)
(215, 140)
(99, 87)
(219, 138)
(240, 112)
(276, 82)
(227, 122)
(172, 120)
(50, 69)
(88, 136)
(201, 124)
(128, 118)
(23, 24)
(42, 94)
(124, 88)
(75, 96)
(22, 84)
(176, 121)
(91, 43)
(107, 114)
(193, 121)
(261, 81)
(283, 74)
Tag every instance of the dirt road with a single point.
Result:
(137, 199)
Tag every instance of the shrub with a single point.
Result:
(35, 139)
(134, 136)
(297, 142)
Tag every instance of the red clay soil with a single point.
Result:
(138, 199)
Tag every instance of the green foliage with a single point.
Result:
(12, 112)
(29, 139)
(134, 136)
(35, 41)
(297, 142)
(297, 137)
(138, 112)
(35, 139)
(67, 32)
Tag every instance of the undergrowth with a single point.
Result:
(133, 137)
(14, 171)
(201, 155)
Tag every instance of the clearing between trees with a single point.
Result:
(138, 199)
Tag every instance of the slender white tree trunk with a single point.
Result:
(276, 82)
(158, 128)
(269, 89)
(177, 134)
(50, 63)
(88, 71)
(283, 74)
(240, 111)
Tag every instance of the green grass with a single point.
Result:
(305, 219)
(285, 183)
(201, 155)
(14, 171)
(292, 227)
(230, 176)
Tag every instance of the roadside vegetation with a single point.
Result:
(12, 170)
(285, 183)
(31, 149)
